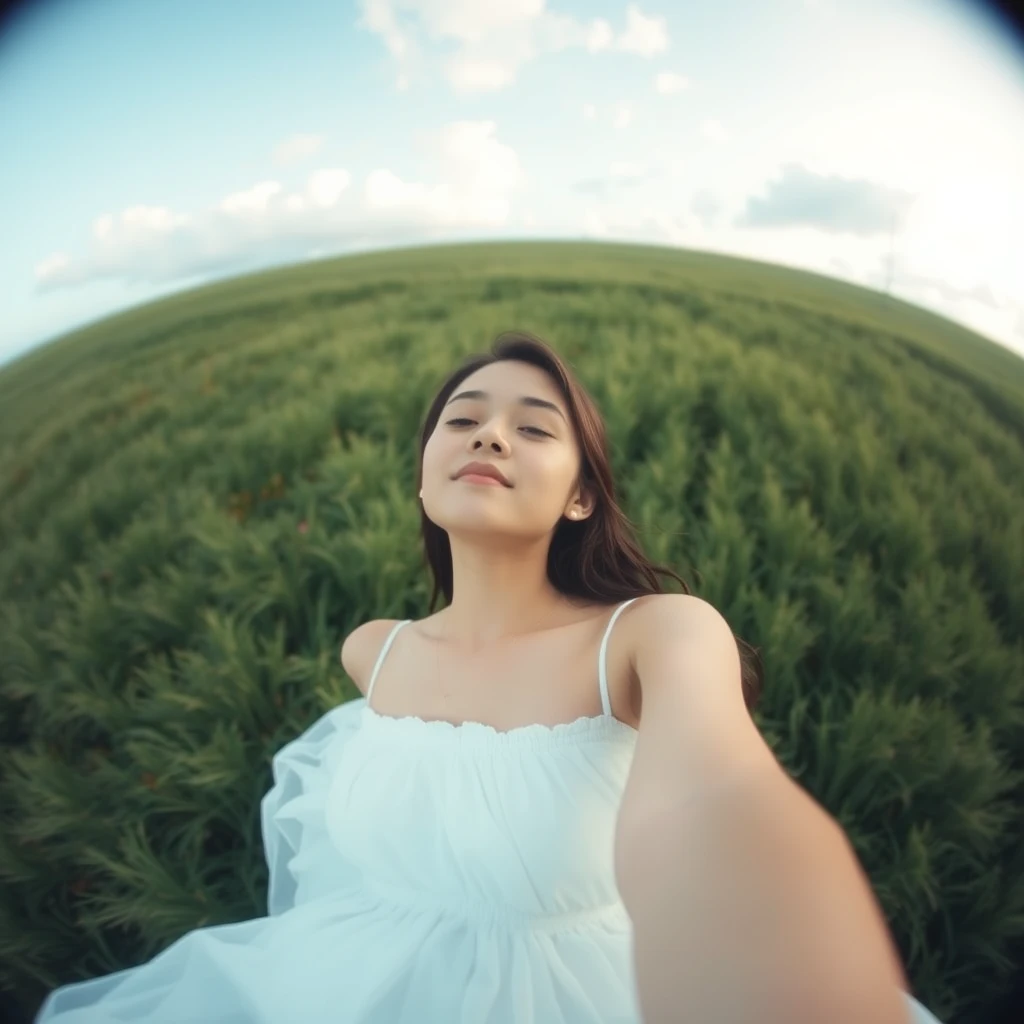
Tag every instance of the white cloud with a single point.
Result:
(471, 21)
(497, 37)
(379, 17)
(480, 74)
(51, 266)
(668, 83)
(152, 218)
(478, 173)
(252, 201)
(713, 130)
(623, 115)
(386, 191)
(589, 112)
(644, 35)
(326, 186)
(296, 149)
(472, 158)
(599, 36)
(476, 177)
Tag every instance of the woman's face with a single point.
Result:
(533, 445)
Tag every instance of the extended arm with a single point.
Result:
(748, 903)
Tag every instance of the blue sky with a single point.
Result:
(151, 146)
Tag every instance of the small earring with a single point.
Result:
(573, 514)
(421, 492)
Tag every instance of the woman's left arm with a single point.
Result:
(747, 900)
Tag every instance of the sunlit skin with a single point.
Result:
(500, 535)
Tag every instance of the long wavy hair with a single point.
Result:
(597, 559)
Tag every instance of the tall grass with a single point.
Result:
(202, 496)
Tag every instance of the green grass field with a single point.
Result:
(202, 496)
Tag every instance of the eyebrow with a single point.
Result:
(540, 403)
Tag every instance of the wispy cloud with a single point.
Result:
(495, 39)
(644, 35)
(477, 176)
(381, 18)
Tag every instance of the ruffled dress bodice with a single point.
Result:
(514, 828)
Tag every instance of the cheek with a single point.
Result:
(557, 472)
(548, 484)
(441, 457)
(430, 455)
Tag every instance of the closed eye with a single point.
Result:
(464, 419)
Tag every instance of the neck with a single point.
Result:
(499, 594)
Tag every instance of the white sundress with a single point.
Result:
(420, 873)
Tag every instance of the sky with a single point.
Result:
(151, 147)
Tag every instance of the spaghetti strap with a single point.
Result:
(602, 675)
(383, 652)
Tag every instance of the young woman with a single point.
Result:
(532, 817)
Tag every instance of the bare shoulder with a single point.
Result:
(694, 721)
(360, 649)
(657, 621)
(654, 614)
(683, 610)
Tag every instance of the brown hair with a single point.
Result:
(597, 559)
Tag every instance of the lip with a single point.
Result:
(478, 478)
(482, 471)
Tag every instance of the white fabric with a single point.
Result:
(420, 873)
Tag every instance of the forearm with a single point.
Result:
(749, 907)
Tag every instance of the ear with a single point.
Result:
(585, 501)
